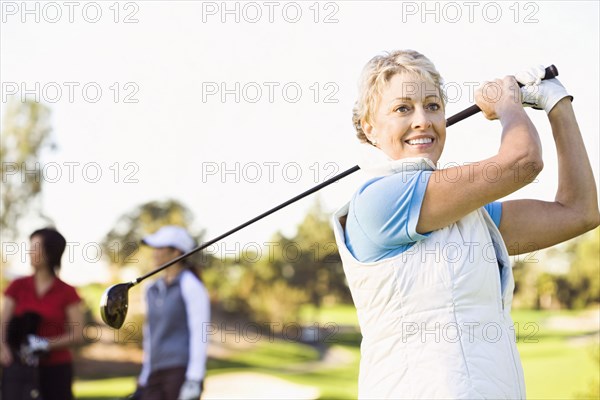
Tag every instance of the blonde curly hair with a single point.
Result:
(378, 72)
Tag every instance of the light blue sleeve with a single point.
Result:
(383, 215)
(495, 211)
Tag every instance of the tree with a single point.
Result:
(584, 275)
(25, 133)
(578, 287)
(314, 259)
(271, 284)
(122, 243)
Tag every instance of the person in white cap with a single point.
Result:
(178, 312)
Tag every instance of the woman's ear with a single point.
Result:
(367, 128)
(369, 132)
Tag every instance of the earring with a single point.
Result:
(374, 142)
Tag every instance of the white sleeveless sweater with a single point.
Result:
(435, 319)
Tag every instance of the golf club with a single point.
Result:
(115, 299)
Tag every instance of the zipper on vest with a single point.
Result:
(516, 368)
(499, 293)
(501, 268)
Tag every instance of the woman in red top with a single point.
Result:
(60, 323)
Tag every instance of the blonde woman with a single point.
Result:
(427, 257)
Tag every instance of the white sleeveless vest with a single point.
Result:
(435, 319)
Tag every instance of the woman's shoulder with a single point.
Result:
(70, 291)
(61, 283)
(20, 282)
(189, 279)
(388, 190)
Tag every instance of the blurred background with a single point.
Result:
(119, 117)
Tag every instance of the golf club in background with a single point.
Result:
(115, 299)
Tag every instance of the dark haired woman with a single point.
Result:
(60, 322)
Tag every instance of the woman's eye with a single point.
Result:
(402, 109)
(433, 106)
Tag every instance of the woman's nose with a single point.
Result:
(420, 119)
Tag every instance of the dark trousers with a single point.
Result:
(164, 384)
(56, 382)
(21, 382)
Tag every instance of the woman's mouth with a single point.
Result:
(419, 141)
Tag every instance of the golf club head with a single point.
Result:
(114, 303)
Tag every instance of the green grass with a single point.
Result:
(339, 314)
(555, 368)
(104, 388)
(280, 357)
(335, 383)
(266, 356)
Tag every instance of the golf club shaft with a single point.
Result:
(551, 72)
(251, 221)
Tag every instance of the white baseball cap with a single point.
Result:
(171, 236)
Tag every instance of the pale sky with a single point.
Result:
(240, 106)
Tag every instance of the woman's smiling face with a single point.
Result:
(409, 120)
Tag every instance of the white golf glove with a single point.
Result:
(540, 94)
(190, 390)
(33, 349)
(531, 76)
(37, 345)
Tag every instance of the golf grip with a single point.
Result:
(551, 72)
